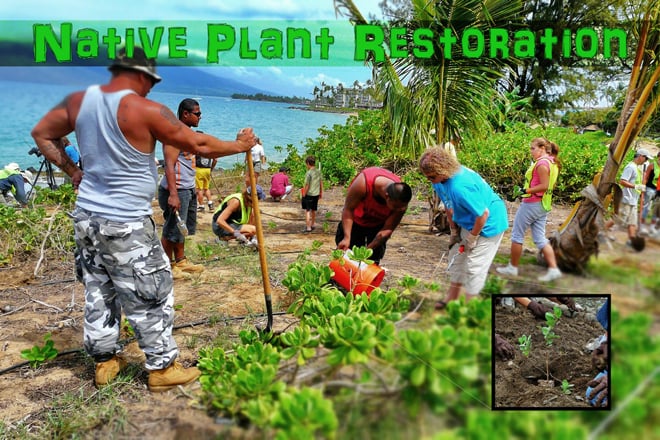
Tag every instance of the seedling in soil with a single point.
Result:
(551, 319)
(525, 344)
(38, 355)
(566, 386)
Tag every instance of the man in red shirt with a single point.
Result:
(375, 204)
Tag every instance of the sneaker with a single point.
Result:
(552, 274)
(508, 270)
(200, 208)
(171, 377)
(189, 267)
(108, 370)
(210, 206)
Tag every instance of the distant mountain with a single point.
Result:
(184, 80)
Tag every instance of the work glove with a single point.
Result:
(470, 242)
(454, 237)
(503, 348)
(240, 237)
(569, 302)
(599, 390)
(600, 357)
(538, 310)
(640, 187)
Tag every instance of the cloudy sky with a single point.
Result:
(285, 80)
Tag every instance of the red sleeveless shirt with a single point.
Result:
(370, 212)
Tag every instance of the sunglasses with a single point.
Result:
(198, 114)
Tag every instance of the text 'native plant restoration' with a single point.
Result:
(213, 43)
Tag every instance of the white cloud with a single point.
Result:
(276, 70)
(243, 72)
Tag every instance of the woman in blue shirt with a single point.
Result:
(477, 219)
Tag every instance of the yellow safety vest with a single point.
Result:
(546, 199)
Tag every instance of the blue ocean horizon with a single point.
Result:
(277, 124)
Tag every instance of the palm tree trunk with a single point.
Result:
(577, 238)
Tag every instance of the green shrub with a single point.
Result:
(342, 150)
(503, 158)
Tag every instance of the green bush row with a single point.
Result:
(350, 367)
(503, 158)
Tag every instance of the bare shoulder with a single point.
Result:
(232, 205)
(74, 99)
(359, 184)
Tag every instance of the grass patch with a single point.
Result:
(625, 274)
(71, 414)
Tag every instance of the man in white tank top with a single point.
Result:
(123, 265)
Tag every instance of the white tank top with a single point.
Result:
(119, 182)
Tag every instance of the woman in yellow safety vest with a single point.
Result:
(234, 219)
(540, 180)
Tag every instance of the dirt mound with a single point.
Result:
(519, 383)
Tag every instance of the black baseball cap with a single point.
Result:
(138, 61)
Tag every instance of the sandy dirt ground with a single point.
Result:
(212, 306)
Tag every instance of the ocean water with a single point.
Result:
(275, 123)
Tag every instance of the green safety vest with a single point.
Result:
(4, 173)
(546, 199)
(245, 212)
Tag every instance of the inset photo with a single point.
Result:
(551, 352)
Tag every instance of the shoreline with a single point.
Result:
(350, 112)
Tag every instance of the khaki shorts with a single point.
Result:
(471, 268)
(628, 215)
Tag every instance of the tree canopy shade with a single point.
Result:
(578, 78)
(570, 72)
(433, 98)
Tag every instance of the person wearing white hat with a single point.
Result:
(631, 186)
(11, 180)
(27, 182)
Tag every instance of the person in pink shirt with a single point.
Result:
(279, 185)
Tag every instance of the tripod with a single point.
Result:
(50, 177)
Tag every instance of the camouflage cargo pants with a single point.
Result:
(125, 268)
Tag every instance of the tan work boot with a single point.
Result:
(178, 274)
(172, 376)
(187, 266)
(108, 370)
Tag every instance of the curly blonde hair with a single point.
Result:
(438, 161)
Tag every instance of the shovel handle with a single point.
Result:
(260, 240)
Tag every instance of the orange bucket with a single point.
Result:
(356, 277)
